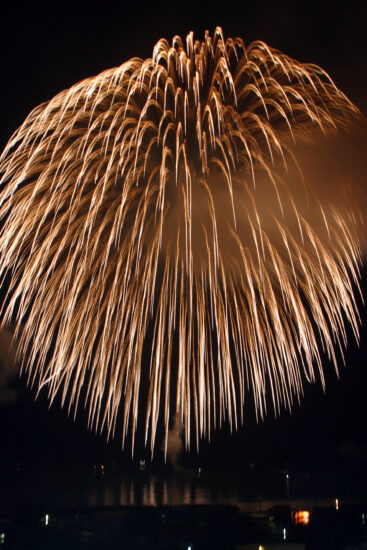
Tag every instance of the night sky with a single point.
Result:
(48, 47)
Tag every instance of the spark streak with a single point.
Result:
(163, 205)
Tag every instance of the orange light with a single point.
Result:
(302, 517)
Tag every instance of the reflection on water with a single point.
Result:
(149, 511)
(103, 487)
(157, 491)
(93, 489)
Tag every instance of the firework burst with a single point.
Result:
(163, 206)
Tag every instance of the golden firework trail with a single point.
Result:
(161, 210)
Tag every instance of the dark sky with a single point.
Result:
(47, 47)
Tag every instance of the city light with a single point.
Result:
(302, 517)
